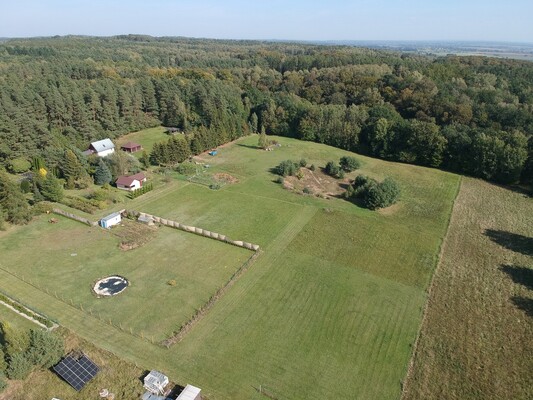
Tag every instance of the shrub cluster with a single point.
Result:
(85, 205)
(139, 192)
(349, 164)
(334, 170)
(287, 168)
(22, 351)
(186, 168)
(374, 194)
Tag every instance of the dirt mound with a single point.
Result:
(133, 234)
(226, 178)
(315, 183)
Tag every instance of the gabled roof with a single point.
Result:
(110, 216)
(128, 180)
(102, 145)
(189, 393)
(130, 145)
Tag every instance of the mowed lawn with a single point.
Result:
(146, 138)
(67, 258)
(331, 307)
(477, 338)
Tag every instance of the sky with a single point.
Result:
(473, 20)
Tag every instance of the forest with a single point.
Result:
(471, 115)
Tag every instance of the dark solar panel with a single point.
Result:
(77, 372)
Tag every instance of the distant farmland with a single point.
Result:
(330, 309)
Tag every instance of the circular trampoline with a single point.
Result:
(110, 286)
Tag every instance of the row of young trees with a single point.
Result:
(434, 111)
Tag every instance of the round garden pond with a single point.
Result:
(110, 286)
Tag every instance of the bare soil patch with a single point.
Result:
(133, 234)
(225, 178)
(316, 183)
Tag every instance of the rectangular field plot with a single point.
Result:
(74, 256)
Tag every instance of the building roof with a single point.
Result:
(110, 216)
(125, 180)
(156, 377)
(189, 393)
(102, 145)
(130, 145)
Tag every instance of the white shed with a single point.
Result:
(190, 393)
(110, 220)
(155, 382)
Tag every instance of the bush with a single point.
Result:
(334, 170)
(19, 366)
(382, 195)
(279, 180)
(172, 282)
(308, 190)
(45, 349)
(86, 205)
(303, 162)
(312, 167)
(186, 168)
(349, 164)
(286, 168)
(18, 165)
(25, 186)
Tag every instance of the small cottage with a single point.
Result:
(110, 220)
(131, 147)
(155, 382)
(132, 182)
(101, 148)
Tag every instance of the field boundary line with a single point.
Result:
(180, 334)
(409, 374)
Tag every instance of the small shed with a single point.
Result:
(110, 220)
(155, 382)
(190, 393)
(131, 147)
(145, 219)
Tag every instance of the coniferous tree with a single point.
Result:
(51, 188)
(102, 175)
(72, 168)
(263, 141)
(12, 201)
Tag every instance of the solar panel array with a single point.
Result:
(77, 372)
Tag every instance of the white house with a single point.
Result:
(155, 382)
(110, 220)
(101, 148)
(132, 182)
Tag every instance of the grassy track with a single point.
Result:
(330, 308)
(476, 341)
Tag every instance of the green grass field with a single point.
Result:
(330, 309)
(74, 256)
(146, 138)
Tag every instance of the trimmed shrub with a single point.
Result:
(312, 167)
(349, 164)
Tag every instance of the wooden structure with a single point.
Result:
(131, 147)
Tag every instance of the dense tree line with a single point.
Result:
(472, 115)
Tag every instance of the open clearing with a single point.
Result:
(477, 338)
(330, 309)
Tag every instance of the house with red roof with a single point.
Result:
(132, 182)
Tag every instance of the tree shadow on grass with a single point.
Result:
(524, 304)
(512, 241)
(248, 146)
(520, 275)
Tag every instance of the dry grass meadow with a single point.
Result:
(476, 340)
